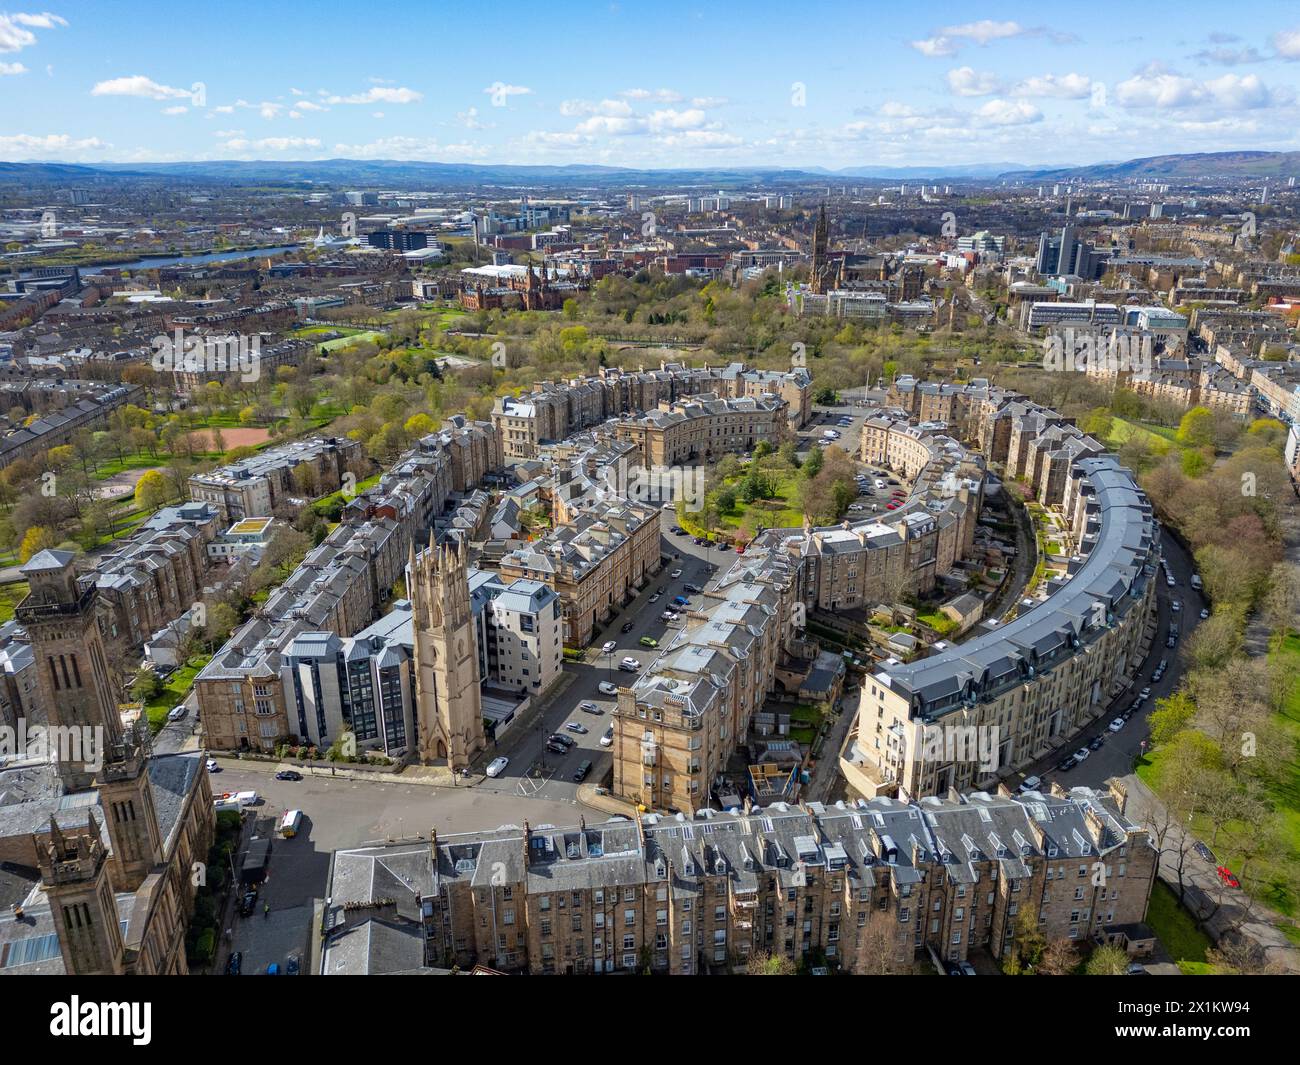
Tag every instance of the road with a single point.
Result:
(1121, 749)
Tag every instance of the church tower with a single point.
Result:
(820, 246)
(76, 692)
(127, 799)
(74, 874)
(448, 699)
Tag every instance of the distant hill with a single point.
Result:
(1200, 166)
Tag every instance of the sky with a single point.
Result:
(819, 83)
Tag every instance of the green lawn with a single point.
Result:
(356, 338)
(1178, 933)
(1160, 438)
(782, 511)
(10, 596)
(177, 688)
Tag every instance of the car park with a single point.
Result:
(1117, 724)
(606, 688)
(497, 766)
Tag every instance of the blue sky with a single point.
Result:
(814, 83)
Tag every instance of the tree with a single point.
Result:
(1107, 960)
(1196, 429)
(37, 539)
(1060, 958)
(152, 490)
(763, 963)
(146, 686)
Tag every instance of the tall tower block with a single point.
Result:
(449, 703)
(74, 874)
(76, 691)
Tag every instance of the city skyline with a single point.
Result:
(951, 85)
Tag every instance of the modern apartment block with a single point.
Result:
(871, 887)
(263, 484)
(519, 631)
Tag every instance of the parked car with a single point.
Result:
(681, 600)
(1117, 724)
(177, 712)
(628, 662)
(967, 969)
(692, 588)
(855, 506)
(1081, 755)
(1202, 851)
(1171, 641)
(1144, 695)
(288, 774)
(675, 574)
(1225, 874)
(247, 903)
(576, 726)
(211, 763)
(654, 598)
(292, 968)
(668, 615)
(1176, 606)
(606, 688)
(497, 766)
(1029, 784)
(627, 626)
(580, 774)
(564, 741)
(1097, 742)
(234, 963)
(1204, 614)
(588, 707)
(607, 737)
(608, 647)
(556, 748)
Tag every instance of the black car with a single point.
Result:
(1095, 745)
(564, 741)
(292, 968)
(1202, 851)
(288, 774)
(233, 963)
(247, 904)
(580, 774)
(692, 587)
(1067, 765)
(557, 748)
(627, 626)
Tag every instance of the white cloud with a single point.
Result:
(1009, 113)
(379, 95)
(966, 81)
(935, 47)
(179, 109)
(16, 30)
(400, 147)
(663, 96)
(271, 144)
(308, 105)
(24, 145)
(501, 90)
(949, 40)
(671, 119)
(8, 69)
(1163, 90)
(984, 30)
(139, 85)
(709, 101)
(469, 119)
(1286, 44)
(613, 108)
(1062, 86)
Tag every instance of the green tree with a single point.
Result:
(152, 490)
(1107, 960)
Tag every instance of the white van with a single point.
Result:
(247, 798)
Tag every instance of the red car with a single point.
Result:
(1225, 874)
(891, 506)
